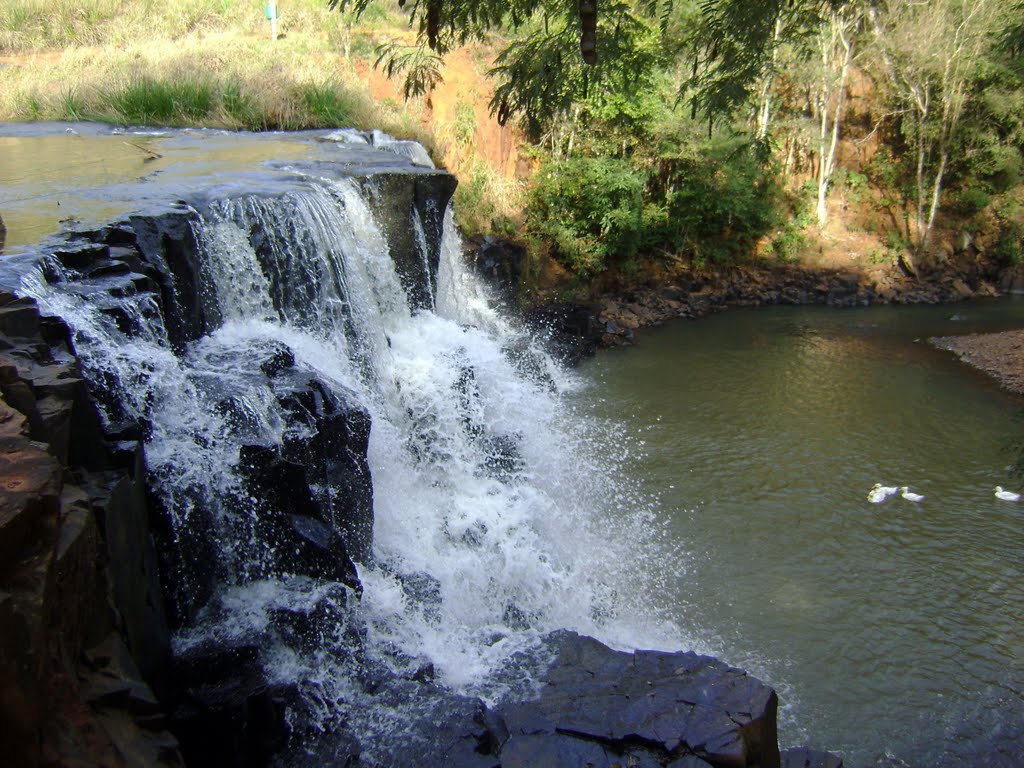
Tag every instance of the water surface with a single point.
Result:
(893, 632)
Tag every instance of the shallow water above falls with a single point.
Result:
(893, 632)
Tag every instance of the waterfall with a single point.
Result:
(499, 513)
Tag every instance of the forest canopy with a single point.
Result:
(706, 126)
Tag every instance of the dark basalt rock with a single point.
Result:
(281, 359)
(594, 707)
(226, 713)
(329, 437)
(570, 331)
(500, 262)
(326, 624)
(167, 241)
(289, 521)
(398, 198)
(76, 563)
(649, 706)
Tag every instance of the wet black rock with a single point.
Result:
(226, 714)
(645, 708)
(571, 332)
(399, 198)
(329, 435)
(290, 523)
(281, 359)
(326, 624)
(500, 262)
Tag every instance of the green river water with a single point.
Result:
(894, 633)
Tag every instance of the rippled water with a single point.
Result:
(893, 632)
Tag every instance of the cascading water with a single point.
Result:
(498, 514)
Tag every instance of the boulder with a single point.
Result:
(646, 706)
(289, 522)
(329, 436)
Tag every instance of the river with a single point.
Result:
(892, 631)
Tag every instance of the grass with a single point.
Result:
(188, 62)
(147, 101)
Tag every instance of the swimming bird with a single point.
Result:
(1006, 495)
(909, 495)
(880, 493)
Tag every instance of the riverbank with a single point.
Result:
(1000, 355)
(614, 314)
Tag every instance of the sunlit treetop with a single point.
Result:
(564, 49)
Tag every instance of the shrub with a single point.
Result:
(971, 200)
(1009, 250)
(590, 211)
(716, 202)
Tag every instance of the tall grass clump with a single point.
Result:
(327, 105)
(241, 109)
(147, 100)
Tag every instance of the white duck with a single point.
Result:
(1006, 495)
(909, 495)
(880, 493)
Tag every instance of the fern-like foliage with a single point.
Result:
(420, 66)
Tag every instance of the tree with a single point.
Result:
(835, 48)
(736, 46)
(933, 52)
(567, 47)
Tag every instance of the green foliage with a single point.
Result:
(590, 210)
(971, 200)
(422, 69)
(146, 100)
(542, 74)
(71, 106)
(241, 108)
(464, 127)
(717, 201)
(473, 207)
(790, 238)
(327, 105)
(1009, 250)
(711, 201)
(854, 184)
(485, 202)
